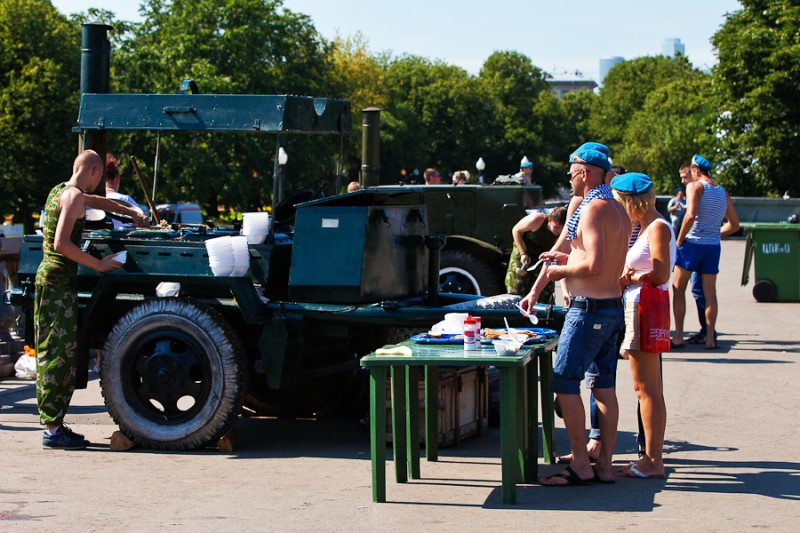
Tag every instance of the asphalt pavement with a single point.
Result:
(730, 451)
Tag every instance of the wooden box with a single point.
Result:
(463, 404)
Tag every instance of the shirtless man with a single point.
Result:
(562, 245)
(598, 234)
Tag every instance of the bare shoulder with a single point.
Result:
(603, 208)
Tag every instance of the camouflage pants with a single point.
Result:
(520, 281)
(55, 321)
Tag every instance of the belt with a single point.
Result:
(590, 304)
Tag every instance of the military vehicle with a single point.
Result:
(335, 279)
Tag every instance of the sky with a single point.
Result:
(561, 37)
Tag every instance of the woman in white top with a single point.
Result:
(651, 257)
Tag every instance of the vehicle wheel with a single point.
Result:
(172, 375)
(765, 291)
(466, 273)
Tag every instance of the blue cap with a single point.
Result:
(602, 148)
(526, 164)
(590, 157)
(632, 183)
(702, 163)
(677, 190)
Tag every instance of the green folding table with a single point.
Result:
(518, 409)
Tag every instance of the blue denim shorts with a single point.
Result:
(588, 338)
(702, 258)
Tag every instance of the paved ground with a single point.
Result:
(731, 453)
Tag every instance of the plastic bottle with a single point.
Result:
(471, 334)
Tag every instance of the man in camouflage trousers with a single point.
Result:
(56, 303)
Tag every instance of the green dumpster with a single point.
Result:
(776, 249)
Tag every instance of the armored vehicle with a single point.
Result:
(335, 279)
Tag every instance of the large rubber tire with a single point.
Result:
(466, 273)
(172, 375)
(764, 290)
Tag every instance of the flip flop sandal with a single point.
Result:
(697, 338)
(570, 476)
(633, 472)
(567, 459)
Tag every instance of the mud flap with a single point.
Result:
(272, 346)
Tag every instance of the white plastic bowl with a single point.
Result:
(241, 256)
(221, 270)
(256, 238)
(506, 347)
(255, 223)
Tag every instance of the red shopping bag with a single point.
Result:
(653, 319)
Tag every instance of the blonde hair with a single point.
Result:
(636, 205)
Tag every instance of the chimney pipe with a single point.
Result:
(370, 147)
(95, 78)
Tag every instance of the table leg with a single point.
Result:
(377, 424)
(432, 413)
(548, 409)
(412, 420)
(532, 422)
(512, 460)
(399, 423)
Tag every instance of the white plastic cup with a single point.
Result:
(121, 257)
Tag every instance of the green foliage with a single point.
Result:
(758, 86)
(625, 89)
(39, 77)
(653, 112)
(235, 47)
(674, 123)
(436, 117)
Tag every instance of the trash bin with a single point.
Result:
(776, 250)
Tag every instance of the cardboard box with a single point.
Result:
(463, 404)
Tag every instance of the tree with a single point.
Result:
(675, 122)
(436, 116)
(514, 84)
(758, 85)
(358, 75)
(237, 46)
(39, 79)
(625, 89)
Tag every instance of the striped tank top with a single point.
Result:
(710, 214)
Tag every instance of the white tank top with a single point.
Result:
(639, 259)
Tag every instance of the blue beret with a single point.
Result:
(702, 163)
(632, 183)
(590, 157)
(602, 148)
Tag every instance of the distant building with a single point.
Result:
(560, 87)
(605, 65)
(673, 47)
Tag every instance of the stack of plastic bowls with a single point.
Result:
(220, 255)
(241, 256)
(255, 226)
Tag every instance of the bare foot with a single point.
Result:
(644, 468)
(592, 448)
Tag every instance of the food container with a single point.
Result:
(506, 347)
(454, 322)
